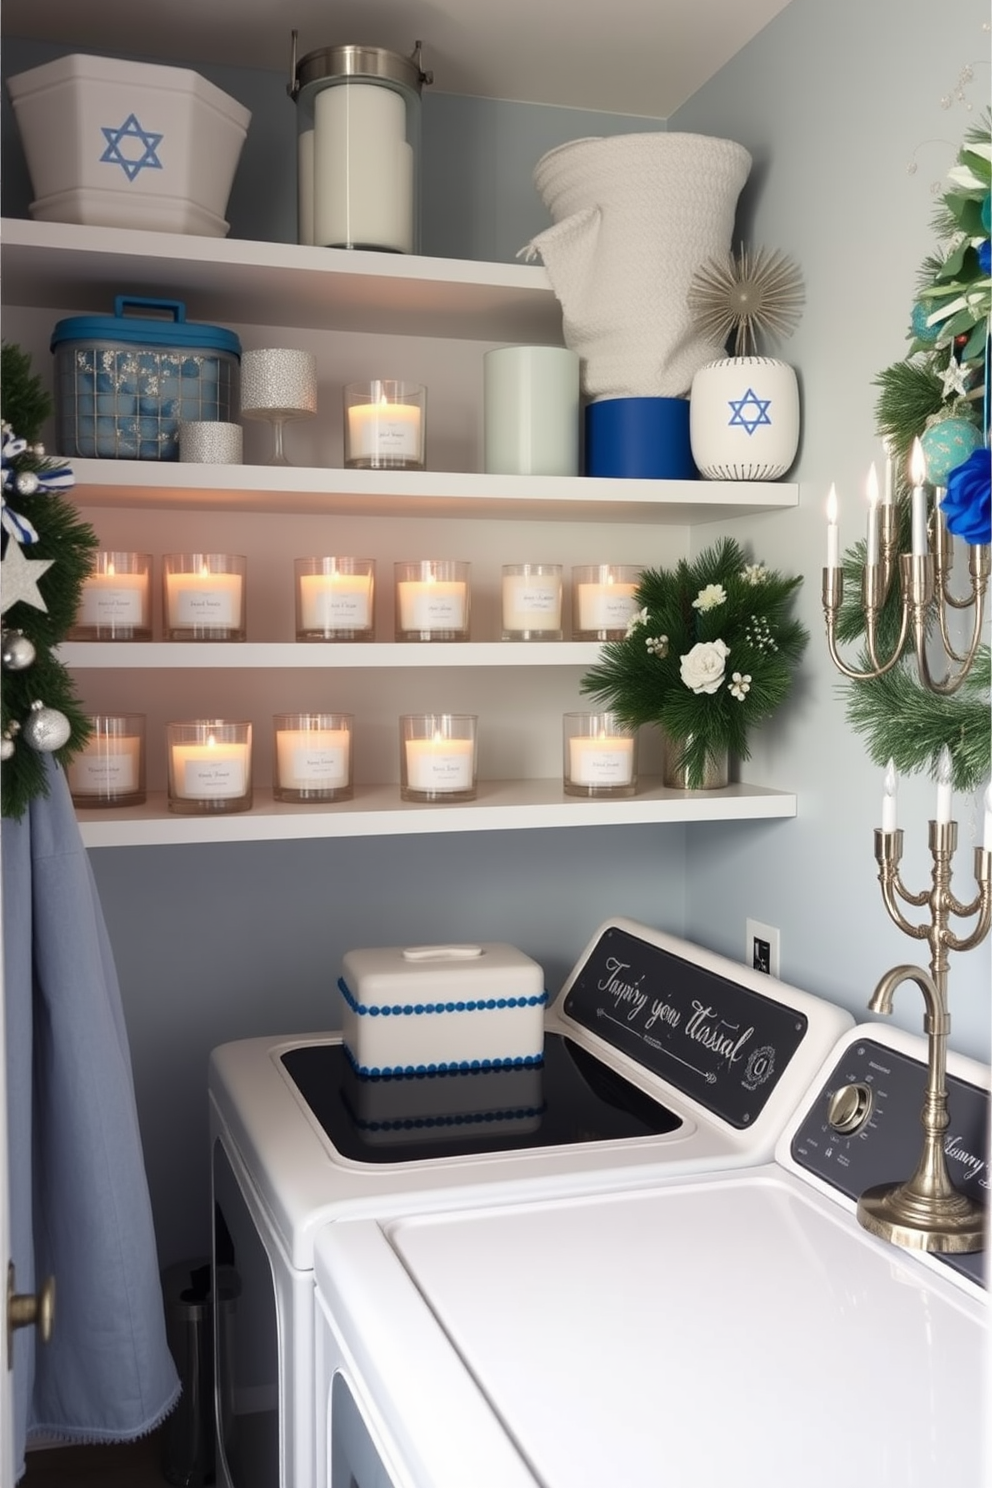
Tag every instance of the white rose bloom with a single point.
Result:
(703, 667)
(709, 597)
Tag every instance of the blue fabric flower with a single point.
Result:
(985, 256)
(967, 504)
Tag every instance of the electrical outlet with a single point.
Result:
(761, 947)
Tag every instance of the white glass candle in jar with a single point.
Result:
(335, 599)
(385, 425)
(209, 764)
(438, 756)
(358, 151)
(432, 600)
(531, 601)
(109, 770)
(600, 757)
(603, 600)
(115, 602)
(313, 757)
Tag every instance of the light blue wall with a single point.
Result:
(837, 103)
(226, 942)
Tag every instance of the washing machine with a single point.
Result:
(700, 1330)
(659, 1057)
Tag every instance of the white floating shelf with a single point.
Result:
(378, 811)
(288, 655)
(149, 484)
(278, 284)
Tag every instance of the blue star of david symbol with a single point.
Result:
(118, 142)
(757, 411)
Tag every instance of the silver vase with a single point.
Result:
(676, 776)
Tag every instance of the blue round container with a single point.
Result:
(639, 438)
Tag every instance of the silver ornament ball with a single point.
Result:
(17, 653)
(45, 729)
(26, 483)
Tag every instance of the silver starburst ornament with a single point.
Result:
(756, 295)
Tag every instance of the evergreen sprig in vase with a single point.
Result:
(744, 409)
(708, 655)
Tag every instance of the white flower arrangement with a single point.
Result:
(709, 652)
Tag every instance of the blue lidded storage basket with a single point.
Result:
(123, 382)
(639, 438)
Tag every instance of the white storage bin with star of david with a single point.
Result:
(111, 143)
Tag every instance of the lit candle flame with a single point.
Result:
(872, 485)
(917, 464)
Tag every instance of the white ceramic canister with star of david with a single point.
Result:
(744, 418)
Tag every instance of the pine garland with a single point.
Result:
(70, 543)
(718, 601)
(904, 722)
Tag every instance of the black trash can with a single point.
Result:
(188, 1433)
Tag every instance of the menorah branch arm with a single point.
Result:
(980, 905)
(832, 592)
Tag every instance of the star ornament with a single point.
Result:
(19, 579)
(749, 412)
(131, 147)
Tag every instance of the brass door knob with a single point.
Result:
(29, 1309)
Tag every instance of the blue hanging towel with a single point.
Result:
(79, 1207)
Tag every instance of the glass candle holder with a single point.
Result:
(335, 599)
(532, 602)
(432, 600)
(313, 757)
(600, 756)
(203, 596)
(115, 602)
(603, 600)
(209, 762)
(438, 756)
(109, 770)
(385, 425)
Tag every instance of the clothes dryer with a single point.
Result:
(728, 1327)
(659, 1057)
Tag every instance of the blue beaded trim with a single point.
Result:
(418, 1009)
(464, 1067)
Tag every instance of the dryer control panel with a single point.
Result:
(864, 1128)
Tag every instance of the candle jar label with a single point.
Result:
(433, 610)
(434, 770)
(109, 774)
(605, 607)
(311, 766)
(334, 609)
(217, 778)
(196, 607)
(601, 766)
(111, 607)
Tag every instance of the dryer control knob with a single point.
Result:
(849, 1108)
